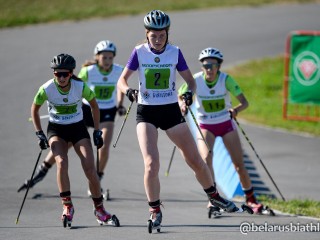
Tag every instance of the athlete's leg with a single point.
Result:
(148, 138)
(107, 133)
(183, 139)
(59, 148)
(85, 152)
(203, 149)
(232, 143)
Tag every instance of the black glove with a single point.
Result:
(121, 110)
(187, 98)
(43, 141)
(132, 94)
(97, 138)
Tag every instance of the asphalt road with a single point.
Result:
(242, 34)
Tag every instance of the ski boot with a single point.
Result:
(155, 219)
(105, 218)
(39, 175)
(257, 207)
(228, 206)
(252, 202)
(67, 214)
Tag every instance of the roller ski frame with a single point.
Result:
(113, 221)
(267, 211)
(214, 211)
(151, 226)
(242, 209)
(67, 220)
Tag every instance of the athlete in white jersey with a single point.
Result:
(157, 62)
(64, 94)
(101, 76)
(215, 113)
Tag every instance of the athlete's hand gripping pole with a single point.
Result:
(25, 195)
(245, 135)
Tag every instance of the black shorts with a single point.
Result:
(106, 115)
(161, 116)
(73, 132)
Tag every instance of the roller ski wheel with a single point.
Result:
(267, 211)
(113, 221)
(214, 212)
(106, 195)
(67, 215)
(105, 218)
(66, 222)
(154, 223)
(151, 227)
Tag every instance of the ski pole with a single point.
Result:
(245, 135)
(97, 161)
(124, 121)
(195, 121)
(25, 195)
(173, 151)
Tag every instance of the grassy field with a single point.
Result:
(261, 81)
(24, 12)
(306, 207)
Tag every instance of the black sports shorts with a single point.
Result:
(161, 116)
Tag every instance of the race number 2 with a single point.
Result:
(157, 78)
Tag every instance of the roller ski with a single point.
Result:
(259, 208)
(214, 212)
(39, 175)
(154, 222)
(228, 206)
(67, 214)
(105, 218)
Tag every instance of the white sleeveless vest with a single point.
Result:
(212, 103)
(104, 86)
(64, 108)
(157, 75)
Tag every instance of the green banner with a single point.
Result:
(304, 69)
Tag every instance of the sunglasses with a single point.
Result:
(210, 65)
(62, 74)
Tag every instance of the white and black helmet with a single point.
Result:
(211, 53)
(156, 20)
(105, 46)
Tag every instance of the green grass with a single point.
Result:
(305, 207)
(24, 12)
(262, 84)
